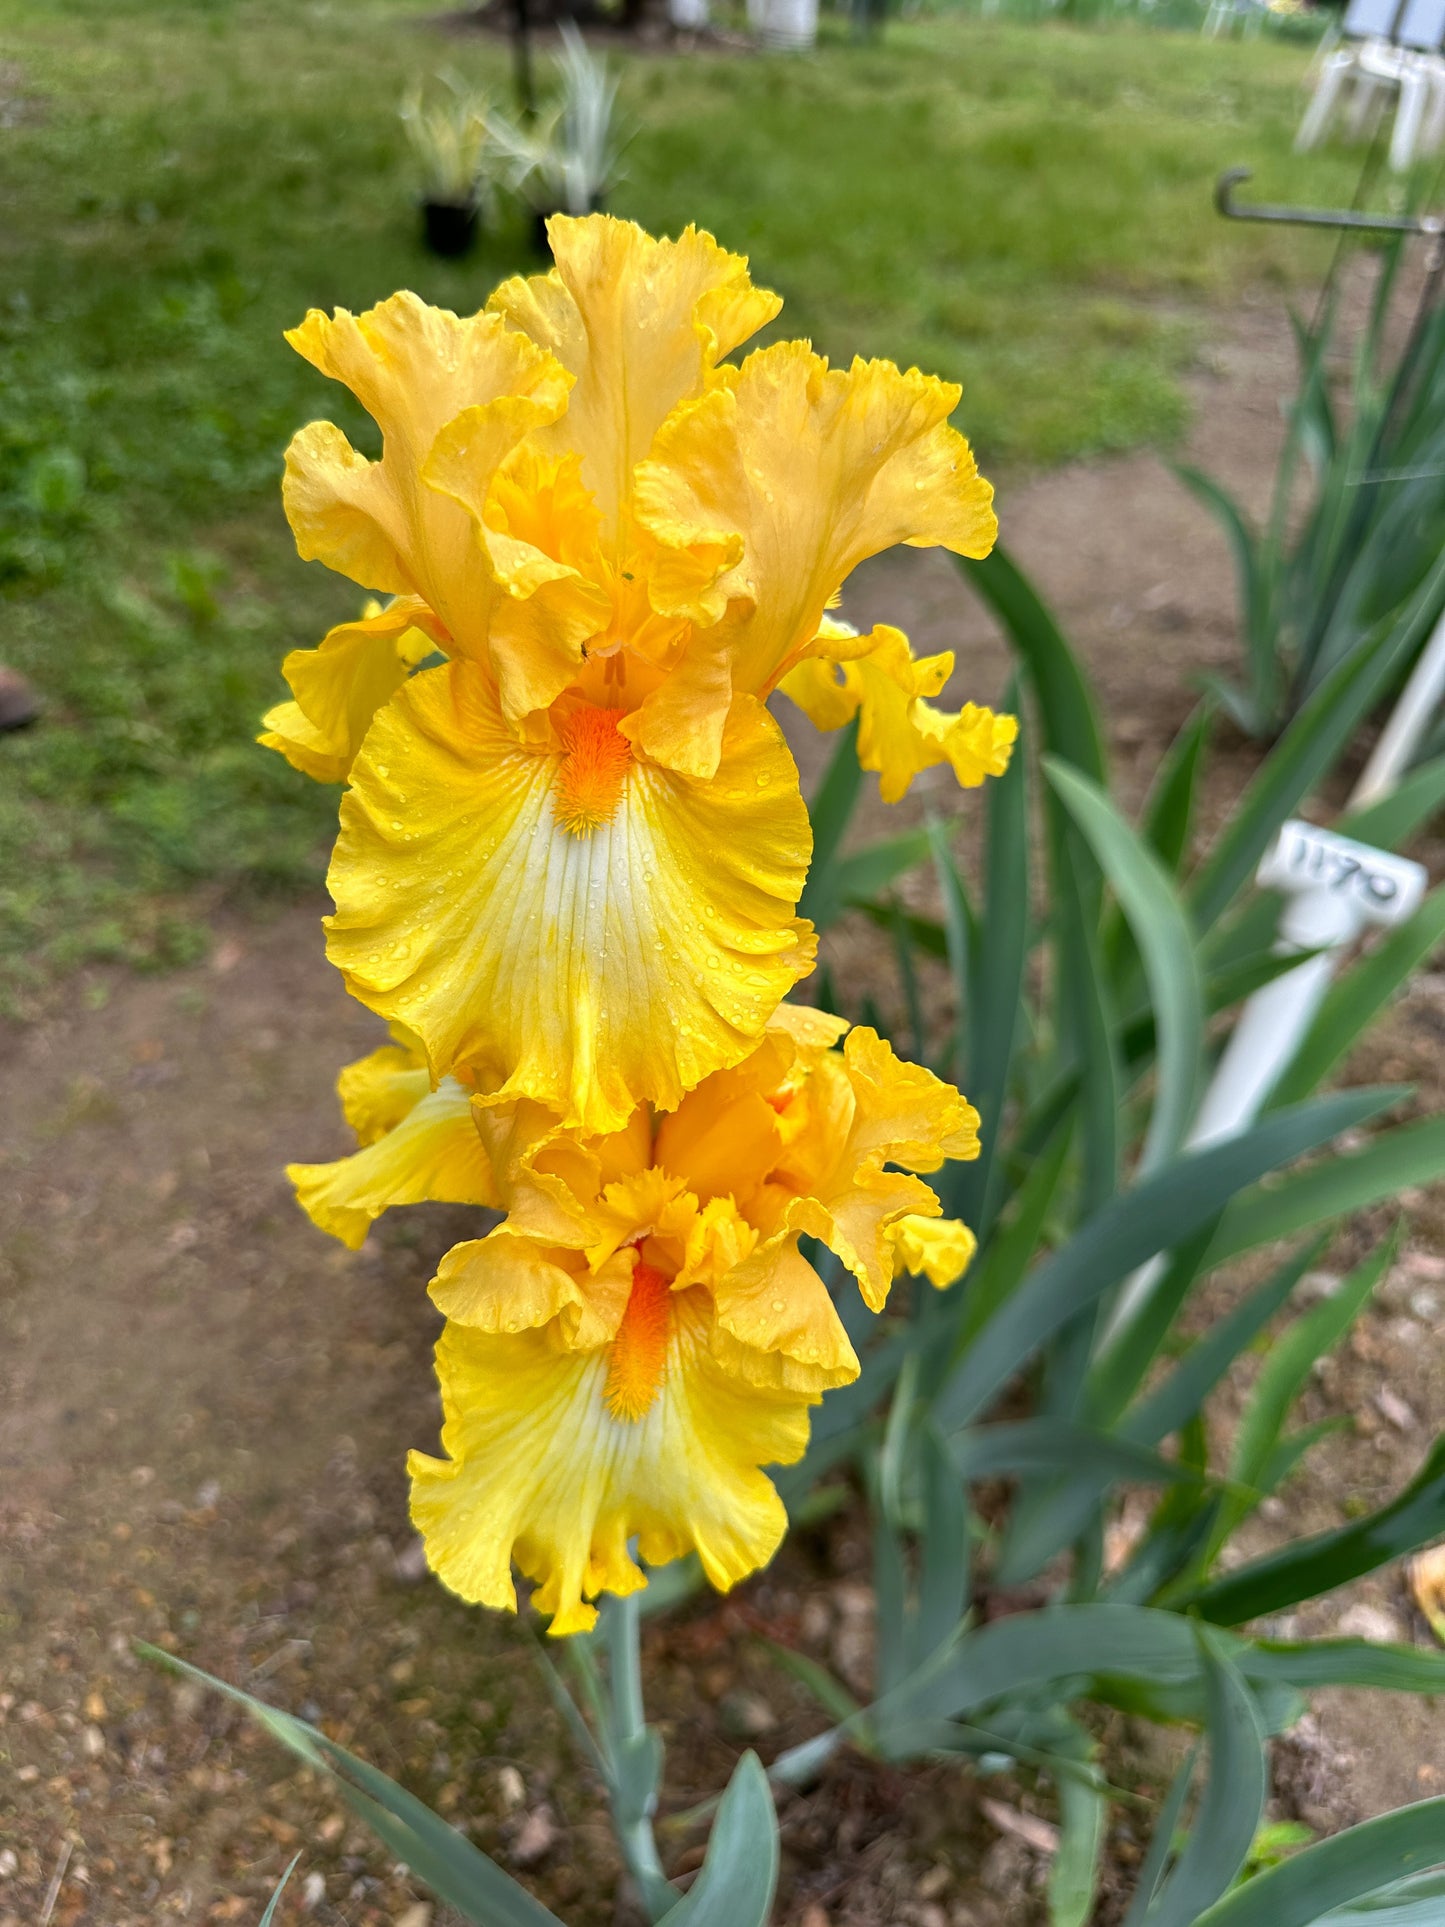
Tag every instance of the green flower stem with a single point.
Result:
(636, 1759)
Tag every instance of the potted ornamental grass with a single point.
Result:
(450, 130)
(569, 159)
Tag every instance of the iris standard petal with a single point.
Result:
(817, 468)
(414, 369)
(640, 323)
(537, 527)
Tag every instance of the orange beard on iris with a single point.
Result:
(638, 1354)
(597, 757)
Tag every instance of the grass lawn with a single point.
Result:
(1023, 208)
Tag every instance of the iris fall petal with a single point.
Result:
(582, 970)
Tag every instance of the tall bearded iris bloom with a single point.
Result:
(642, 1334)
(570, 855)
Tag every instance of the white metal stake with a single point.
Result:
(1412, 715)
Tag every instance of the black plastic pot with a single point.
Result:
(447, 228)
(541, 216)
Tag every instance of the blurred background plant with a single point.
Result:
(460, 161)
(1357, 514)
(569, 158)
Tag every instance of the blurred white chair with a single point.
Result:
(1365, 62)
(1418, 35)
(1389, 50)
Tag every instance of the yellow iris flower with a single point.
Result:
(641, 1334)
(570, 856)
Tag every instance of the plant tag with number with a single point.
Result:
(1382, 888)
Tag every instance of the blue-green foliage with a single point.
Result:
(1083, 1031)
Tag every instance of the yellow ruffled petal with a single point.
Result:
(817, 468)
(839, 641)
(718, 1241)
(878, 679)
(550, 1178)
(856, 1223)
(777, 1326)
(653, 1206)
(539, 1471)
(510, 1283)
(680, 723)
(882, 657)
(287, 728)
(938, 1249)
(905, 1115)
(536, 526)
(379, 1090)
(340, 686)
(588, 967)
(811, 1030)
(432, 1155)
(974, 741)
(640, 323)
(719, 1148)
(415, 369)
(862, 1111)
(342, 513)
(687, 581)
(827, 699)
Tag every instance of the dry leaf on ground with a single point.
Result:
(1427, 1584)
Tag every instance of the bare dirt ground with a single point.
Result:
(204, 1405)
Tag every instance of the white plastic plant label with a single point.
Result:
(1381, 888)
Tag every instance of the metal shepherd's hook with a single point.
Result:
(1331, 217)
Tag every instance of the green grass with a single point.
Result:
(1024, 208)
